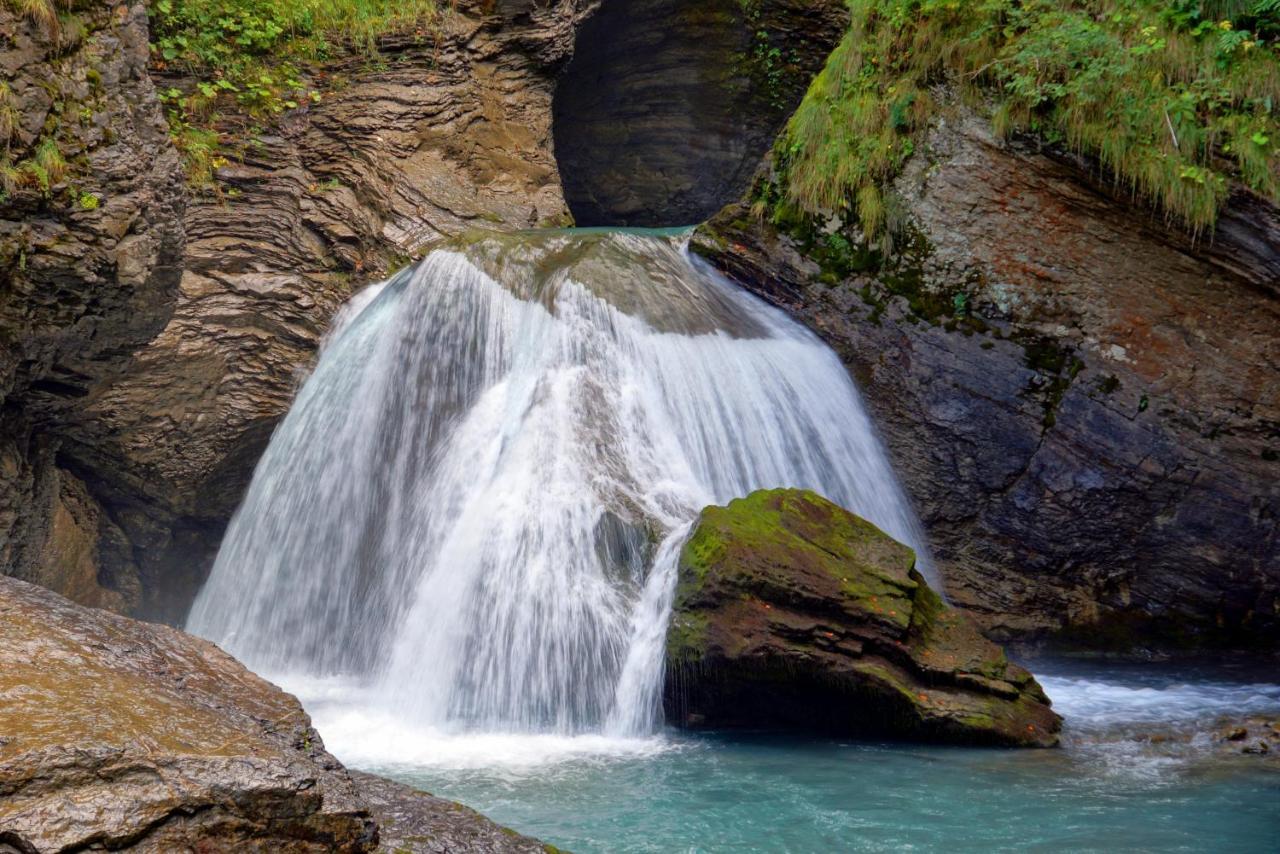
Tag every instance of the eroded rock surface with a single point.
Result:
(1082, 402)
(668, 105)
(90, 264)
(793, 612)
(411, 820)
(120, 734)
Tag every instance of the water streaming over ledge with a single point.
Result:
(476, 503)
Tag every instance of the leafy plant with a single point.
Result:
(252, 54)
(1173, 100)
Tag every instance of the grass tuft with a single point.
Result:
(1175, 99)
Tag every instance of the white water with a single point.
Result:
(474, 509)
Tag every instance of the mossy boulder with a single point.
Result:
(792, 612)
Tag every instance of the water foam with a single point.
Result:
(475, 506)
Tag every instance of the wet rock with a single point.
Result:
(1235, 734)
(1080, 400)
(668, 104)
(446, 133)
(119, 734)
(90, 264)
(410, 820)
(793, 612)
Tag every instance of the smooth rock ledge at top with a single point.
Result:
(792, 612)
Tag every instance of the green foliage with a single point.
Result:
(254, 53)
(1174, 99)
(88, 202)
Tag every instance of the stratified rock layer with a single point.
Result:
(793, 612)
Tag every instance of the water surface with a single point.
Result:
(1141, 770)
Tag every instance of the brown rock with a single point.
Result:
(410, 820)
(793, 612)
(120, 734)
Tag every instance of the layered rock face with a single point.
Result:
(793, 612)
(120, 735)
(668, 105)
(91, 246)
(451, 129)
(1082, 402)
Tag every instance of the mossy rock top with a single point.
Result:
(792, 611)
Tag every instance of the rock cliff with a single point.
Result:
(91, 247)
(1082, 402)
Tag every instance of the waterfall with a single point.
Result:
(477, 502)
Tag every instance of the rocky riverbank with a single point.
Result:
(117, 734)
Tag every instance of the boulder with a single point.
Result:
(792, 612)
(116, 734)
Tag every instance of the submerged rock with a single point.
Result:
(410, 820)
(793, 612)
(116, 734)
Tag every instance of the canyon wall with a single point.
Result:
(1082, 401)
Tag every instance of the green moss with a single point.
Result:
(1174, 101)
(1056, 367)
(687, 639)
(782, 527)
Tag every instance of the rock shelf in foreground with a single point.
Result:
(122, 735)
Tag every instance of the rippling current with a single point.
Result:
(1142, 769)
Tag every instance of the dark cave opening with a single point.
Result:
(668, 106)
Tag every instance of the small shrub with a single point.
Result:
(1175, 100)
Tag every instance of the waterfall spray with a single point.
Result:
(477, 502)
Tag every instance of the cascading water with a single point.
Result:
(477, 501)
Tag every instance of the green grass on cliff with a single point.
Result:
(1175, 98)
(252, 56)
